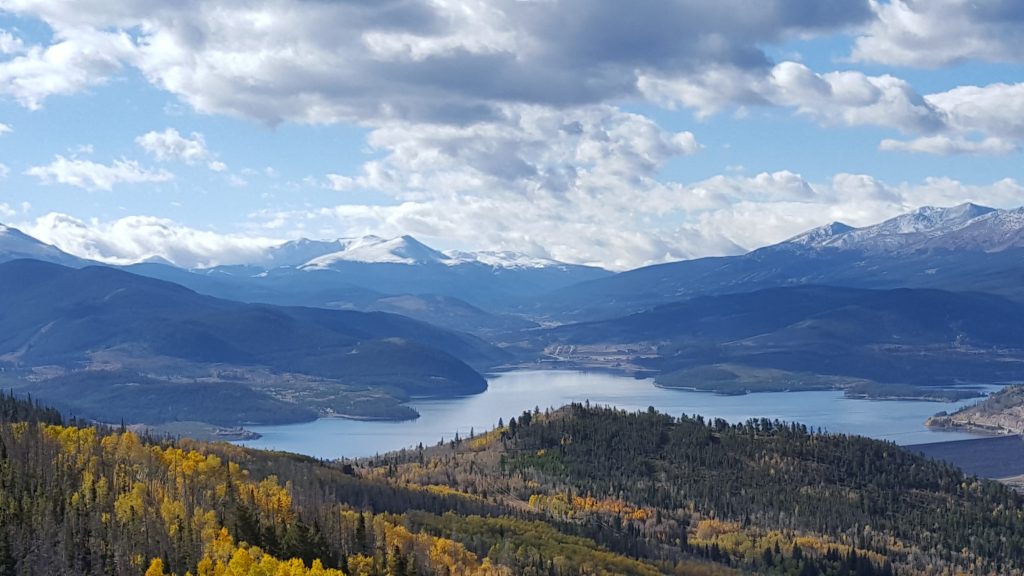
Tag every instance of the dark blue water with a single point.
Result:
(509, 394)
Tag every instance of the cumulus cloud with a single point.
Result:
(464, 62)
(725, 214)
(496, 123)
(138, 238)
(932, 33)
(949, 122)
(996, 109)
(848, 98)
(533, 177)
(95, 176)
(420, 60)
(77, 60)
(5, 129)
(4, 170)
(170, 145)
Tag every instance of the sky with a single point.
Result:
(602, 132)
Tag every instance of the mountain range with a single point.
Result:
(966, 247)
(465, 291)
(931, 298)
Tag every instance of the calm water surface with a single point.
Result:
(511, 393)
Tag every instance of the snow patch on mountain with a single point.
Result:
(927, 227)
(501, 259)
(821, 235)
(298, 252)
(375, 250)
(994, 232)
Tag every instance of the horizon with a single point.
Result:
(212, 130)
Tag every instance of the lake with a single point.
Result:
(511, 393)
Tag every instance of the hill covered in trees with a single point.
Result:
(812, 337)
(578, 491)
(88, 337)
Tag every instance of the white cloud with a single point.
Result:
(576, 185)
(78, 59)
(340, 183)
(846, 98)
(136, 238)
(10, 211)
(10, 44)
(996, 109)
(94, 176)
(170, 145)
(964, 120)
(932, 33)
(493, 122)
(456, 63)
(5, 129)
(712, 217)
(4, 170)
(946, 145)
(420, 60)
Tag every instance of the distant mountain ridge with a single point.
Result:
(464, 291)
(365, 273)
(903, 336)
(15, 244)
(907, 232)
(93, 321)
(965, 247)
(309, 254)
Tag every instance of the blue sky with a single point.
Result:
(617, 134)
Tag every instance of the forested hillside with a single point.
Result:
(926, 338)
(578, 491)
(77, 500)
(763, 496)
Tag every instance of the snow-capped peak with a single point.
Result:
(993, 232)
(376, 250)
(967, 226)
(299, 252)
(930, 218)
(821, 235)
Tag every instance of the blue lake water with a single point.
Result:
(509, 394)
